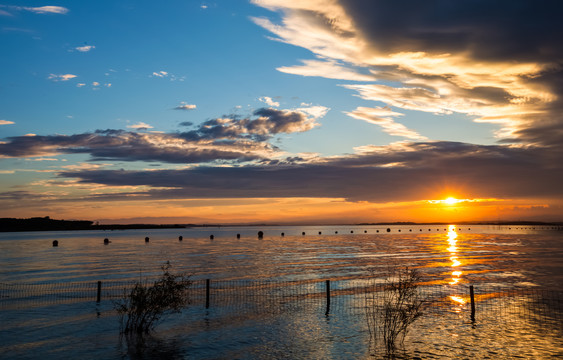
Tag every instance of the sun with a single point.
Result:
(451, 201)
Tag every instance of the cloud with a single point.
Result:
(43, 159)
(438, 57)
(265, 123)
(384, 118)
(316, 111)
(230, 140)
(327, 69)
(37, 10)
(61, 77)
(160, 74)
(185, 106)
(140, 126)
(165, 74)
(85, 48)
(47, 9)
(134, 146)
(6, 122)
(268, 101)
(427, 170)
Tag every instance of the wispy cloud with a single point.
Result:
(384, 118)
(167, 75)
(37, 10)
(185, 106)
(85, 48)
(139, 126)
(316, 111)
(6, 122)
(42, 159)
(47, 9)
(269, 101)
(61, 77)
(326, 68)
(160, 74)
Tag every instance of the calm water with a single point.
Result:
(447, 256)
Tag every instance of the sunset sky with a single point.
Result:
(281, 111)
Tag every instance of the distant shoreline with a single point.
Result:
(48, 224)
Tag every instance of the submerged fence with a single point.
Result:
(322, 296)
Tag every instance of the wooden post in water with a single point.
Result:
(472, 296)
(207, 286)
(99, 295)
(327, 297)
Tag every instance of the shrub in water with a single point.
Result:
(142, 307)
(392, 311)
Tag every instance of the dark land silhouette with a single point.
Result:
(48, 224)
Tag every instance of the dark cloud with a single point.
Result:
(224, 139)
(133, 146)
(265, 123)
(413, 171)
(483, 31)
(487, 29)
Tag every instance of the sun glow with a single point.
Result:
(453, 201)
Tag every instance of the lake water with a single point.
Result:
(449, 258)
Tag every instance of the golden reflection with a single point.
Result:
(452, 236)
(452, 241)
(455, 261)
(457, 299)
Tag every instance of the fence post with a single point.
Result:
(327, 297)
(99, 295)
(207, 286)
(472, 296)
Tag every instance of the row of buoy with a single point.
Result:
(410, 230)
(260, 235)
(542, 228)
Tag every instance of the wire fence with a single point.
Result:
(323, 296)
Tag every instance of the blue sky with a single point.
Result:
(103, 102)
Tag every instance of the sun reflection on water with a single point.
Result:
(456, 263)
(453, 250)
(457, 299)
